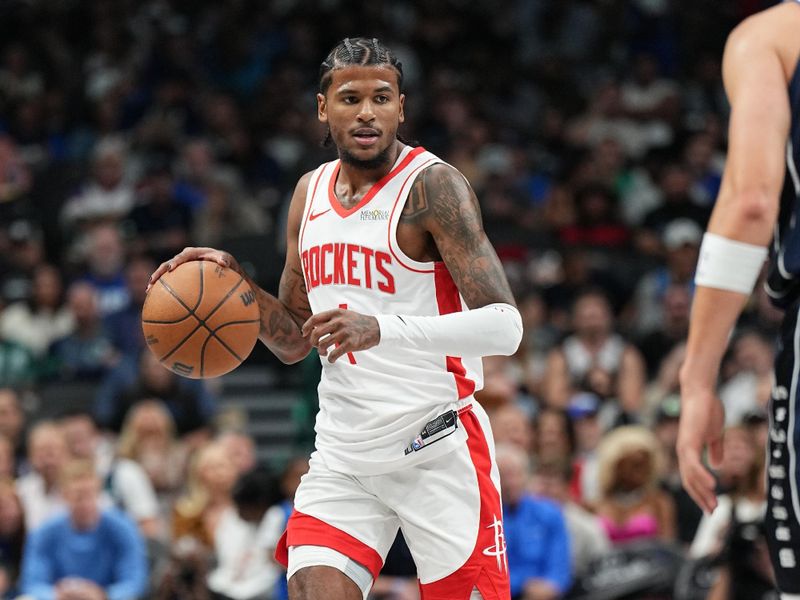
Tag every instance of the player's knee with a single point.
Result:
(322, 583)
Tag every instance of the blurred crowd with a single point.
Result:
(594, 133)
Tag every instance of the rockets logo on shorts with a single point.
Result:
(498, 550)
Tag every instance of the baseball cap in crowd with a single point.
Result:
(582, 405)
(669, 408)
(682, 232)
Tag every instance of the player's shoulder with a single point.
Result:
(765, 29)
(441, 171)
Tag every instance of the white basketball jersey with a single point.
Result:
(374, 403)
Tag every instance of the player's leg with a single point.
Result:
(451, 517)
(783, 500)
(337, 537)
(319, 582)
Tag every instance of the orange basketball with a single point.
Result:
(201, 320)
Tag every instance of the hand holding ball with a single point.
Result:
(201, 319)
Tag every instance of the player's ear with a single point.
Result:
(322, 108)
(402, 103)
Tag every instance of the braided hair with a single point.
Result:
(358, 51)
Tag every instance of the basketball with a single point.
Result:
(200, 320)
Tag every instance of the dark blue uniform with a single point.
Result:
(783, 286)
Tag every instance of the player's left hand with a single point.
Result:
(701, 426)
(346, 330)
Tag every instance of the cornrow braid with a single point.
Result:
(358, 51)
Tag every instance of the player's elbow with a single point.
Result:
(756, 206)
(509, 330)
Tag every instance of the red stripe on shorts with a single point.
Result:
(487, 567)
(448, 301)
(305, 530)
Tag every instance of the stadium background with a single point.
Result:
(593, 131)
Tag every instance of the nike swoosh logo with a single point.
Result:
(313, 216)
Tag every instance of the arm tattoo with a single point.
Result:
(452, 214)
(281, 317)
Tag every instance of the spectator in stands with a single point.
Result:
(37, 323)
(16, 179)
(107, 197)
(631, 506)
(675, 182)
(197, 518)
(748, 376)
(588, 540)
(39, 489)
(706, 166)
(124, 326)
(188, 400)
(536, 536)
(539, 336)
(596, 359)
(12, 425)
(243, 569)
(105, 267)
(241, 448)
(23, 253)
(87, 353)
(87, 554)
(148, 437)
(553, 435)
(583, 411)
(512, 425)
(17, 365)
(659, 343)
(227, 212)
(597, 221)
(12, 537)
(681, 239)
(199, 511)
(125, 483)
(162, 224)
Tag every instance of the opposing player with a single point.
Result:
(760, 194)
(390, 276)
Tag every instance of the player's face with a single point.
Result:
(363, 108)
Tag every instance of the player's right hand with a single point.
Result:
(189, 254)
(701, 426)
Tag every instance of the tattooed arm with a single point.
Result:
(443, 207)
(281, 317)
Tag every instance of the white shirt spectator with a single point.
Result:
(35, 330)
(244, 570)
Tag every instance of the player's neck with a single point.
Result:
(355, 178)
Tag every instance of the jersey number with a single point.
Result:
(350, 356)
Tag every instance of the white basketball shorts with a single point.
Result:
(448, 508)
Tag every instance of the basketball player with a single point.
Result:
(390, 276)
(759, 198)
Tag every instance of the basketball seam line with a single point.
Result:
(200, 322)
(228, 348)
(191, 310)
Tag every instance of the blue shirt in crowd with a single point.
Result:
(537, 544)
(112, 555)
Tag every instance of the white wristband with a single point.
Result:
(728, 264)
